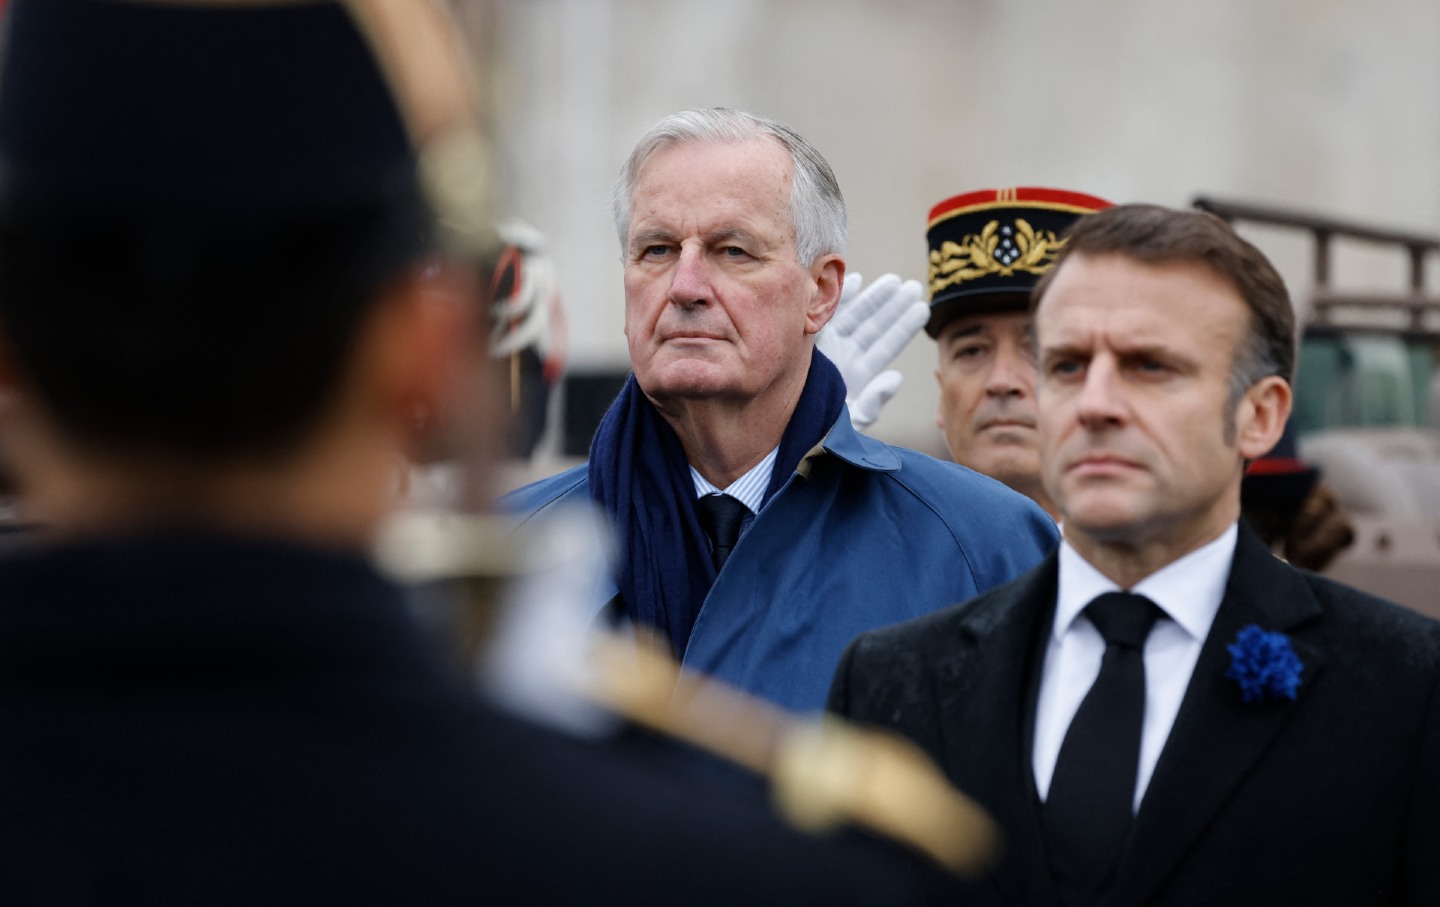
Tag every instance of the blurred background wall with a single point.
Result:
(1331, 106)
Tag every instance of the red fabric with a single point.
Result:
(1276, 466)
(1060, 197)
(1018, 197)
(963, 201)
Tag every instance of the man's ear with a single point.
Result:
(828, 273)
(416, 340)
(1261, 418)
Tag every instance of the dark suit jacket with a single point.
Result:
(193, 719)
(1333, 798)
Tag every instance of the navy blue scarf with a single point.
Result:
(639, 475)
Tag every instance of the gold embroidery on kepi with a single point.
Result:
(995, 250)
(988, 249)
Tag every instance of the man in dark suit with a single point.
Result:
(221, 314)
(1163, 712)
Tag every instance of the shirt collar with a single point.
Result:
(1188, 590)
(749, 489)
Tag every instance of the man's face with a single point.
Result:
(987, 396)
(1134, 363)
(716, 303)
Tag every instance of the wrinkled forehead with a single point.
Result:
(759, 147)
(709, 187)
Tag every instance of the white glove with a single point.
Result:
(868, 330)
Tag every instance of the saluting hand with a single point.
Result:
(869, 329)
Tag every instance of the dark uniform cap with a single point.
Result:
(1280, 474)
(197, 110)
(989, 248)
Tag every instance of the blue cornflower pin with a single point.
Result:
(1264, 665)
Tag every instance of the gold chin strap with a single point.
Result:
(436, 88)
(418, 46)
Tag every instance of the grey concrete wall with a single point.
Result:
(1327, 105)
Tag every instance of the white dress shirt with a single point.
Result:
(1188, 591)
(749, 489)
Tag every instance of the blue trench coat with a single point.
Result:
(863, 535)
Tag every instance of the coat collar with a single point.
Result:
(1217, 739)
(859, 450)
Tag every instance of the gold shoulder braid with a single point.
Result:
(822, 774)
(994, 250)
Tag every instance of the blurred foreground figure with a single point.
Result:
(212, 242)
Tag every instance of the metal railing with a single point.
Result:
(1324, 230)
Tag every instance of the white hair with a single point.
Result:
(817, 209)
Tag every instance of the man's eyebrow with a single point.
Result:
(1162, 351)
(1065, 349)
(640, 240)
(1146, 349)
(1151, 350)
(734, 233)
(1180, 357)
(969, 330)
(720, 236)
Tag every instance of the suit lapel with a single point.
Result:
(1217, 738)
(985, 738)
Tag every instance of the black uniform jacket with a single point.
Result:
(1333, 798)
(187, 718)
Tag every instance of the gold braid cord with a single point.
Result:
(822, 774)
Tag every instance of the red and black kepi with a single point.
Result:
(989, 248)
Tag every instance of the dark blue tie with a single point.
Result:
(720, 517)
(1089, 808)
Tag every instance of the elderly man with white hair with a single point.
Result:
(758, 531)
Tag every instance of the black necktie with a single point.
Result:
(720, 517)
(1088, 811)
